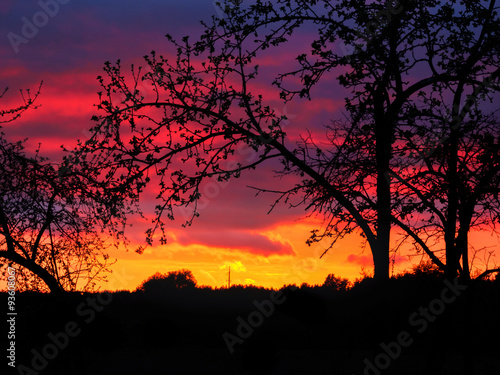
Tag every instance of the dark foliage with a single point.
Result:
(161, 283)
(312, 331)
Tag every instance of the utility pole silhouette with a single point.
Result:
(229, 278)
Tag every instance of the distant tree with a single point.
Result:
(205, 287)
(426, 269)
(161, 282)
(243, 287)
(289, 287)
(337, 284)
(391, 56)
(305, 286)
(366, 277)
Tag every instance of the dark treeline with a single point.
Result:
(253, 330)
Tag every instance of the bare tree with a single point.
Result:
(55, 227)
(441, 172)
(203, 106)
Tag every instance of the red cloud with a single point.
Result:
(398, 259)
(253, 243)
(362, 260)
(367, 260)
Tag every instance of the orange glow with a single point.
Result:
(210, 264)
(233, 229)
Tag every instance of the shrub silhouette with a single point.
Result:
(337, 284)
(175, 280)
(424, 269)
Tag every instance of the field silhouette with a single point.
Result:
(240, 330)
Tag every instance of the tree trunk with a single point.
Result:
(465, 217)
(383, 136)
(382, 246)
(450, 227)
(381, 259)
(463, 251)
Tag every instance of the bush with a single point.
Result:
(175, 280)
(424, 269)
(337, 284)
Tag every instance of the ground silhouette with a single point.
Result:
(294, 330)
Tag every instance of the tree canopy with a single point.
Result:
(161, 282)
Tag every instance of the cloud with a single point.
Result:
(236, 266)
(367, 260)
(68, 54)
(254, 243)
(362, 260)
(209, 275)
(398, 259)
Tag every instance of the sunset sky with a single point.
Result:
(68, 50)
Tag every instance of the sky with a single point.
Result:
(65, 43)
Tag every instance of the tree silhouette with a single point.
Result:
(54, 226)
(464, 174)
(395, 58)
(11, 114)
(51, 226)
(425, 269)
(337, 284)
(448, 164)
(159, 283)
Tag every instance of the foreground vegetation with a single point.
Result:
(253, 330)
